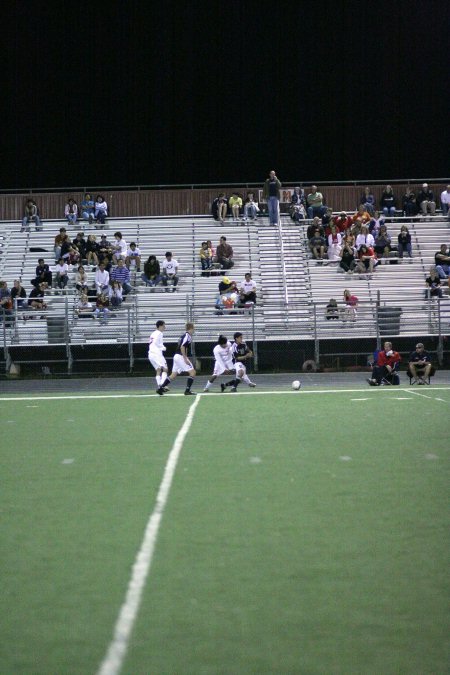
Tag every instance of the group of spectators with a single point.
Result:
(386, 365)
(90, 210)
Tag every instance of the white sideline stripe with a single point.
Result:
(117, 649)
(302, 392)
(432, 398)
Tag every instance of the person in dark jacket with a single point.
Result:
(409, 203)
(404, 242)
(425, 201)
(388, 202)
(152, 272)
(43, 274)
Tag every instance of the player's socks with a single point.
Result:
(189, 383)
(207, 385)
(158, 381)
(166, 380)
(231, 383)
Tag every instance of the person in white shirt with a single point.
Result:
(101, 278)
(364, 238)
(445, 201)
(156, 357)
(169, 271)
(100, 211)
(120, 247)
(61, 269)
(247, 290)
(133, 257)
(223, 361)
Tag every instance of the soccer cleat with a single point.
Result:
(222, 387)
(188, 392)
(251, 384)
(160, 391)
(165, 389)
(233, 389)
(206, 389)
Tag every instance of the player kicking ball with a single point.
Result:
(156, 351)
(240, 353)
(223, 361)
(181, 361)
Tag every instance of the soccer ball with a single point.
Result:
(296, 385)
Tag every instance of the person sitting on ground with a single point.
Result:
(433, 284)
(133, 258)
(251, 208)
(121, 273)
(84, 308)
(351, 306)
(235, 203)
(383, 243)
(219, 207)
(367, 201)
(362, 216)
(59, 239)
(19, 294)
(317, 245)
(225, 254)
(375, 224)
(404, 242)
(61, 271)
(205, 258)
(92, 249)
(101, 279)
(31, 215)
(364, 237)
(297, 209)
(247, 290)
(409, 203)
(100, 210)
(388, 201)
(170, 272)
(43, 274)
(366, 260)
(332, 310)
(385, 366)
(343, 222)
(314, 202)
(419, 365)
(81, 280)
(102, 307)
(88, 208)
(348, 262)
(115, 294)
(71, 211)
(442, 261)
(425, 201)
(152, 272)
(334, 245)
(79, 243)
(445, 200)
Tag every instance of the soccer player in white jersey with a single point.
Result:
(240, 353)
(156, 357)
(181, 361)
(223, 360)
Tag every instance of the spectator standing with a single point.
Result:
(271, 192)
(225, 254)
(314, 202)
(445, 200)
(101, 279)
(235, 203)
(247, 290)
(404, 243)
(100, 210)
(425, 201)
(71, 211)
(19, 294)
(388, 202)
(88, 208)
(31, 215)
(170, 272)
(409, 203)
(152, 272)
(121, 273)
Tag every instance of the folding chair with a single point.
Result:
(420, 375)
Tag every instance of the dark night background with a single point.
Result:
(172, 92)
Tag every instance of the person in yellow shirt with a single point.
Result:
(235, 202)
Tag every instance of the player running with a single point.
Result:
(223, 361)
(181, 362)
(240, 352)
(156, 357)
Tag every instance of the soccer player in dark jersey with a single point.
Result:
(181, 361)
(240, 353)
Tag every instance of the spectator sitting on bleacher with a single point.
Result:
(205, 258)
(225, 254)
(334, 245)
(332, 310)
(376, 222)
(84, 308)
(364, 237)
(433, 284)
(347, 262)
(61, 271)
(368, 201)
(366, 260)
(105, 250)
(314, 202)
(121, 273)
(385, 366)
(18, 293)
(31, 216)
(62, 236)
(327, 219)
(100, 211)
(247, 290)
(213, 250)
(102, 308)
(71, 211)
(101, 278)
(79, 243)
(351, 306)
(404, 243)
(43, 274)
(235, 203)
(388, 202)
(442, 260)
(297, 209)
(251, 208)
(6, 302)
(409, 203)
(81, 280)
(92, 248)
(226, 286)
(36, 297)
(228, 294)
(317, 245)
(425, 201)
(120, 247)
(361, 216)
(152, 272)
(69, 252)
(445, 201)
(219, 207)
(170, 272)
(383, 243)
(133, 258)
(115, 294)
(343, 222)
(88, 208)
(315, 225)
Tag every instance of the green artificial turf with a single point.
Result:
(303, 534)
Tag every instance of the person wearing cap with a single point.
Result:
(169, 271)
(425, 201)
(227, 286)
(419, 365)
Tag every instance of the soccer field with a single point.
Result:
(290, 532)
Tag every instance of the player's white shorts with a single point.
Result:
(157, 360)
(220, 368)
(240, 369)
(180, 365)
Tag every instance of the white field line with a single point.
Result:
(302, 392)
(432, 398)
(117, 649)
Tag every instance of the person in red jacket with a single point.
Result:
(385, 367)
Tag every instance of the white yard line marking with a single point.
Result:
(112, 663)
(359, 399)
(432, 398)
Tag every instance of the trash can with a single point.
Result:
(56, 329)
(389, 320)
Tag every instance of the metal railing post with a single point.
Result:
(255, 343)
(130, 342)
(377, 322)
(440, 349)
(316, 337)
